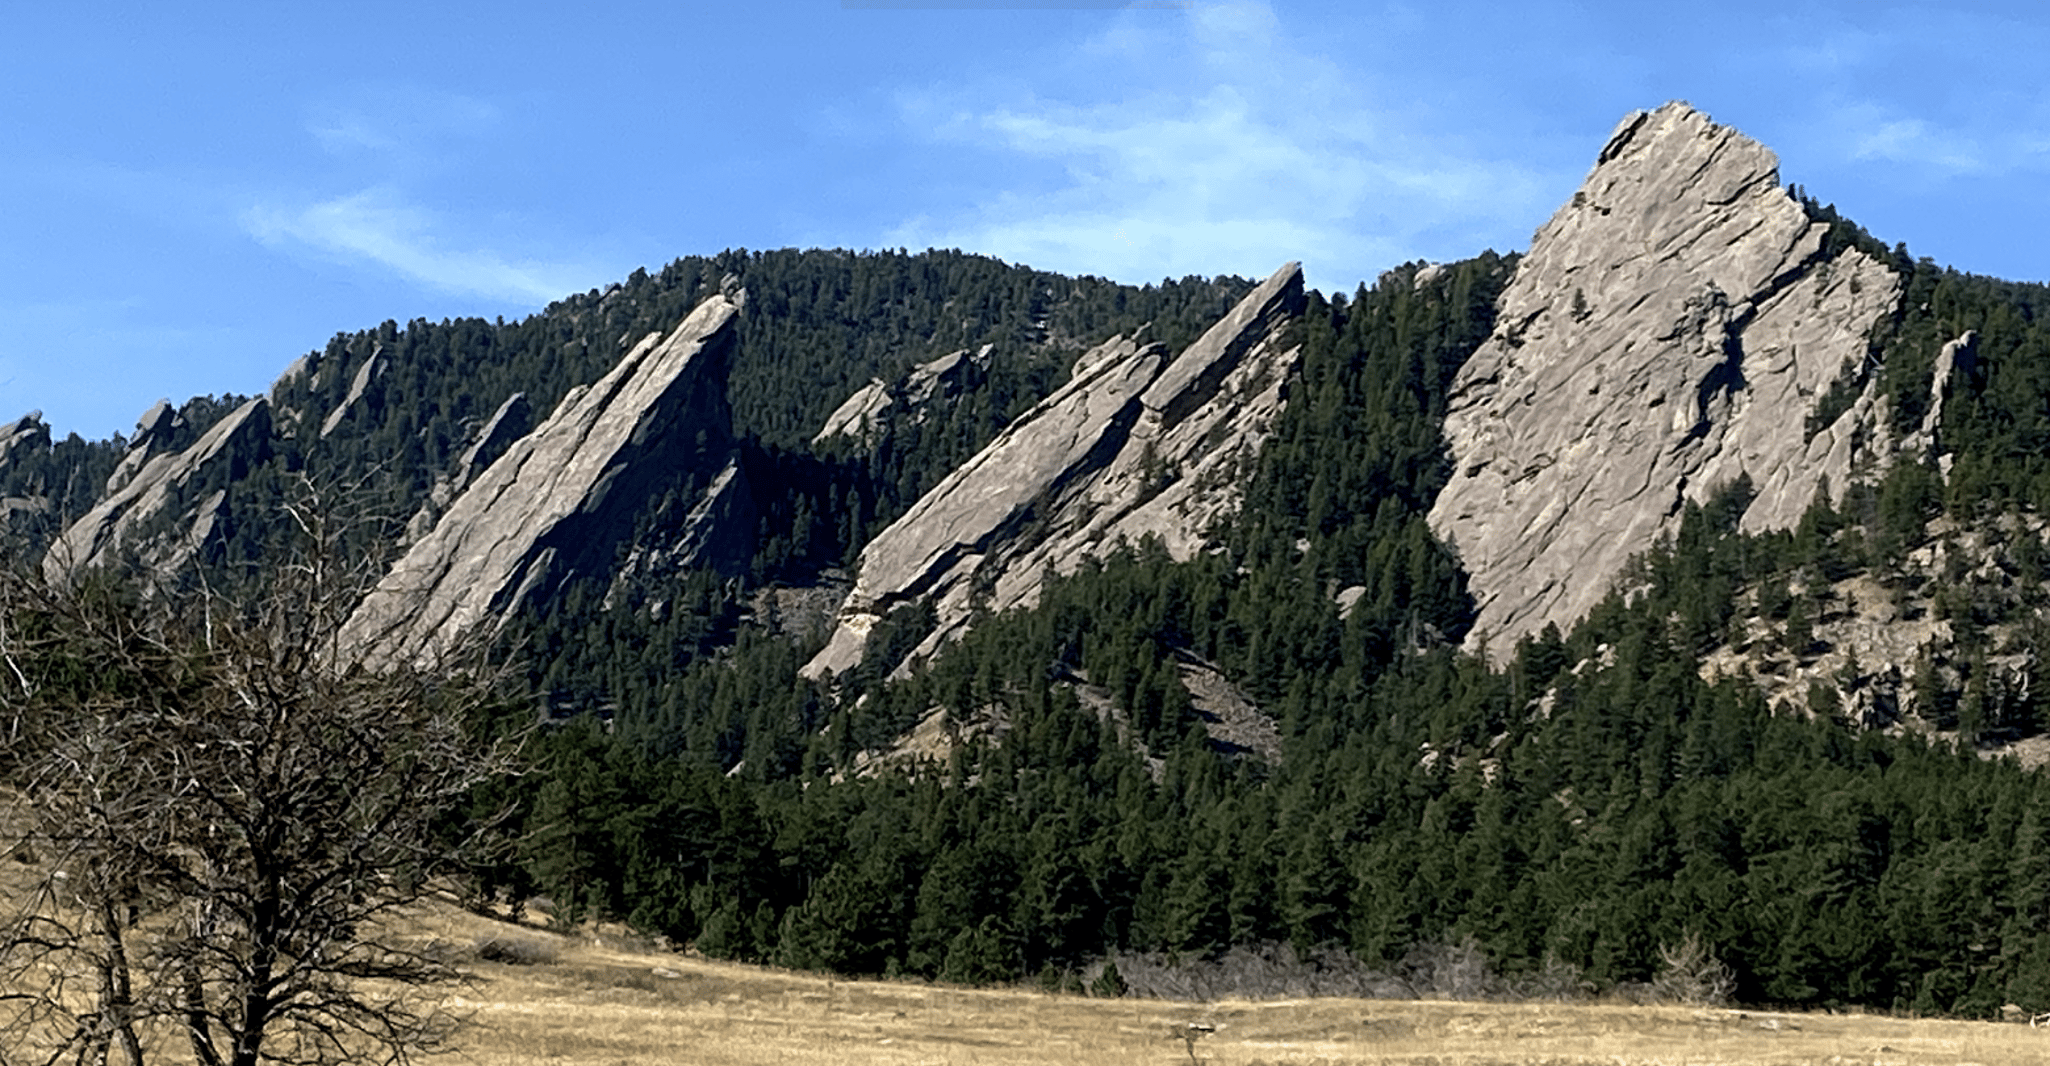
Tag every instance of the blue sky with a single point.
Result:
(196, 193)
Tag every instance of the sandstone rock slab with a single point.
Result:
(1135, 444)
(1672, 328)
(556, 503)
(224, 454)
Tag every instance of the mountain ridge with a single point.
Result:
(929, 615)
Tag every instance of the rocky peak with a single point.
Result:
(1672, 328)
(1136, 444)
(560, 500)
(155, 433)
(27, 433)
(162, 488)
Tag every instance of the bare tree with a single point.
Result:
(1690, 973)
(219, 820)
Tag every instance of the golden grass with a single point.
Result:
(599, 1005)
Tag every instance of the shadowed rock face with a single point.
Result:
(1672, 328)
(26, 434)
(560, 500)
(159, 485)
(1135, 444)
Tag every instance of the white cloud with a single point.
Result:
(1914, 141)
(1233, 150)
(378, 226)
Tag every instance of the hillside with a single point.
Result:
(1679, 579)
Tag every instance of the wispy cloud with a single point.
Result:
(1915, 141)
(1943, 147)
(1234, 149)
(398, 124)
(416, 202)
(378, 226)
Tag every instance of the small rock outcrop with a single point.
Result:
(1136, 444)
(1673, 327)
(362, 390)
(161, 486)
(26, 434)
(876, 407)
(155, 433)
(559, 501)
(718, 534)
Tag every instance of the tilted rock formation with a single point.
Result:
(154, 434)
(362, 390)
(235, 445)
(1135, 444)
(718, 533)
(560, 500)
(1960, 355)
(1672, 328)
(25, 434)
(506, 425)
(876, 407)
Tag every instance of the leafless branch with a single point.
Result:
(220, 813)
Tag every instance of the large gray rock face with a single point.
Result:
(559, 500)
(161, 485)
(1135, 444)
(1672, 328)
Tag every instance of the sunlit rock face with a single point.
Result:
(1139, 442)
(560, 500)
(154, 512)
(1673, 327)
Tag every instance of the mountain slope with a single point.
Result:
(1748, 506)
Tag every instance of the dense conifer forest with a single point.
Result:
(1587, 802)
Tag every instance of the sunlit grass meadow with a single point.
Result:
(578, 1002)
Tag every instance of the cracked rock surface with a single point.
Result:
(1135, 444)
(1672, 327)
(559, 500)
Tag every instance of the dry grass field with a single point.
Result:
(577, 1003)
